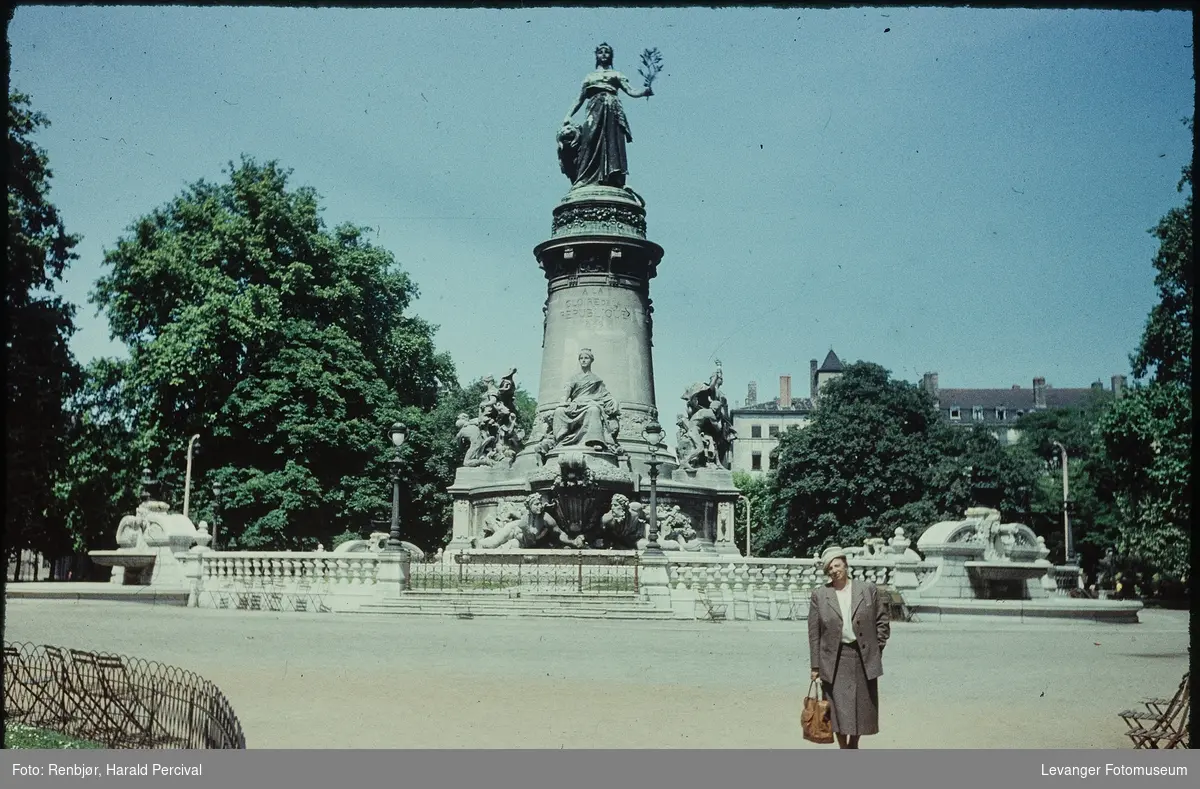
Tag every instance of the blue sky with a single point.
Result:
(955, 190)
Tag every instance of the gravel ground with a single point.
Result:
(377, 681)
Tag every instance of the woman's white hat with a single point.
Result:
(831, 553)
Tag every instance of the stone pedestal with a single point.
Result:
(598, 265)
(654, 580)
(392, 578)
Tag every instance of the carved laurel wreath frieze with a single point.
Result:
(585, 218)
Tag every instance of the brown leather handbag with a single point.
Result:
(815, 717)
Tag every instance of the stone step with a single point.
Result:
(629, 609)
(513, 605)
(531, 595)
(643, 615)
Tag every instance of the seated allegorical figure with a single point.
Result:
(543, 529)
(680, 538)
(624, 525)
(588, 415)
(506, 530)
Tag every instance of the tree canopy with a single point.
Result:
(1166, 345)
(41, 372)
(287, 346)
(1147, 436)
(874, 457)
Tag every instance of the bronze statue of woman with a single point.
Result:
(593, 153)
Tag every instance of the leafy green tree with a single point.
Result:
(41, 372)
(103, 477)
(1147, 436)
(1166, 345)
(1093, 519)
(289, 347)
(857, 468)
(974, 469)
(876, 457)
(757, 490)
(1075, 427)
(1148, 444)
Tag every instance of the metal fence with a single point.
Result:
(564, 572)
(1068, 580)
(118, 701)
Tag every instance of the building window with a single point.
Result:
(756, 461)
(955, 413)
(1020, 413)
(977, 413)
(1001, 414)
(756, 431)
(773, 431)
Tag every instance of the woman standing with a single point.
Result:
(847, 630)
(594, 152)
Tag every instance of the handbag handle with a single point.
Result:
(817, 685)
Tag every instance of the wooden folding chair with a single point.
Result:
(713, 611)
(95, 708)
(898, 610)
(131, 711)
(30, 692)
(1161, 725)
(1168, 733)
(62, 712)
(797, 606)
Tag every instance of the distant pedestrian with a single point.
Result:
(848, 628)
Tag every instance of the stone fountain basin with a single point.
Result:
(135, 559)
(1006, 571)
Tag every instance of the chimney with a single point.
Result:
(1118, 386)
(929, 383)
(812, 379)
(1039, 392)
(785, 391)
(752, 394)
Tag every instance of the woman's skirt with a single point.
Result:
(853, 699)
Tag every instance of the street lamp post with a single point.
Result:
(1067, 546)
(653, 433)
(747, 500)
(216, 489)
(397, 433)
(187, 477)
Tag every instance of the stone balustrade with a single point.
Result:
(772, 588)
(691, 584)
(282, 580)
(287, 569)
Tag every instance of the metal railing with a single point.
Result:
(118, 701)
(1068, 580)
(564, 572)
